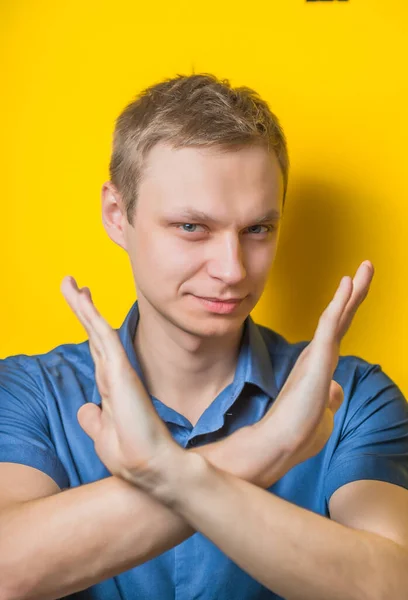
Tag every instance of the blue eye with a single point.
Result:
(254, 229)
(189, 227)
(267, 227)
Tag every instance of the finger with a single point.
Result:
(361, 285)
(95, 353)
(95, 343)
(88, 292)
(100, 371)
(104, 338)
(329, 321)
(89, 418)
(72, 295)
(336, 396)
(103, 333)
(69, 289)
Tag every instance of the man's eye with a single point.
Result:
(193, 228)
(257, 227)
(189, 227)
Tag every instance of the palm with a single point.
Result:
(303, 413)
(304, 409)
(127, 432)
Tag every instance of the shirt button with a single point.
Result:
(192, 442)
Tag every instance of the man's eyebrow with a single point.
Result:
(198, 215)
(271, 215)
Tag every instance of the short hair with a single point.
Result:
(196, 110)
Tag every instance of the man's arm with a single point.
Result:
(129, 437)
(68, 541)
(65, 542)
(294, 552)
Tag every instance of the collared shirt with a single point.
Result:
(40, 396)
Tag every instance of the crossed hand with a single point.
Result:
(131, 439)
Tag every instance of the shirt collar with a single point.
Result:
(256, 360)
(254, 364)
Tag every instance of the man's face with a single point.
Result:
(196, 235)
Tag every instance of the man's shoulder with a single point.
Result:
(52, 364)
(39, 399)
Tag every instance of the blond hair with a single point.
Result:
(190, 110)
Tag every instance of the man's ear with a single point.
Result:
(113, 214)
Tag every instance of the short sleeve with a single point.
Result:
(24, 429)
(374, 440)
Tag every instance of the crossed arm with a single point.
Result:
(294, 552)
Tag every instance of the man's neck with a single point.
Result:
(185, 374)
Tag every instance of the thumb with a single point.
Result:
(89, 418)
(336, 396)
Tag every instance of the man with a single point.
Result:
(97, 500)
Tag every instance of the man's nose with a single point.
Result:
(227, 261)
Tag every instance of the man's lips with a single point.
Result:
(221, 307)
(226, 300)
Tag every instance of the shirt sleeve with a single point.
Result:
(24, 430)
(373, 443)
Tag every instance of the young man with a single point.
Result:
(97, 499)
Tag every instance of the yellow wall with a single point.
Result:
(334, 72)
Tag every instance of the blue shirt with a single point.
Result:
(41, 394)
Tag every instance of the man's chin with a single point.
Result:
(213, 326)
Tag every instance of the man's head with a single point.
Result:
(196, 165)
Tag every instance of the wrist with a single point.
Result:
(178, 477)
(166, 476)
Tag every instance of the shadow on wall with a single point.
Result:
(322, 239)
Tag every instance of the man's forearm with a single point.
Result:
(58, 545)
(294, 552)
(55, 546)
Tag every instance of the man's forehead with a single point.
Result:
(242, 190)
(165, 163)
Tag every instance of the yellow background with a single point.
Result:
(334, 73)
